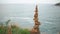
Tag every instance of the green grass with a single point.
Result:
(17, 30)
(14, 29)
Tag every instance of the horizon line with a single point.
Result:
(32, 3)
(27, 3)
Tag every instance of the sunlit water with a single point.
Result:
(22, 15)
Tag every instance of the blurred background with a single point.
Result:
(21, 13)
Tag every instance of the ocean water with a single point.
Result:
(22, 15)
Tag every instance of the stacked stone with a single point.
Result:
(35, 29)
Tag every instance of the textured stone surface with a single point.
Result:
(35, 29)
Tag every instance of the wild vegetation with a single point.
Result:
(14, 29)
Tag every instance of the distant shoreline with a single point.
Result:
(57, 4)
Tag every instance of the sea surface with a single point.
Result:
(23, 14)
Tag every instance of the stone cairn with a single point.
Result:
(35, 29)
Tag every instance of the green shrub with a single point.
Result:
(17, 30)
(14, 28)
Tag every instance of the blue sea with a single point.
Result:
(23, 14)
